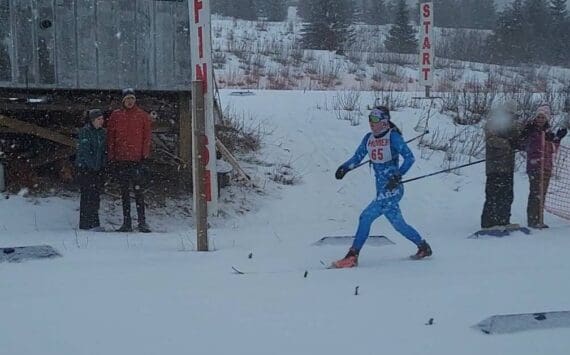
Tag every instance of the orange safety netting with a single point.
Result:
(558, 196)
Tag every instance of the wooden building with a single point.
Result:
(95, 44)
(61, 57)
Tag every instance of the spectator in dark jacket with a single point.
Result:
(502, 132)
(129, 136)
(90, 162)
(540, 144)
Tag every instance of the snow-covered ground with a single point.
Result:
(140, 294)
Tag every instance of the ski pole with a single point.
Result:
(443, 171)
(418, 136)
(408, 141)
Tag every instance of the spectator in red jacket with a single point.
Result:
(128, 140)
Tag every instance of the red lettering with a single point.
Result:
(202, 75)
(427, 44)
(425, 59)
(426, 73)
(426, 10)
(198, 5)
(200, 42)
(426, 25)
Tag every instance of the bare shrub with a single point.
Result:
(271, 46)
(309, 56)
(219, 58)
(217, 30)
(473, 104)
(348, 100)
(239, 131)
(467, 143)
(399, 58)
(352, 68)
(377, 73)
(354, 57)
(296, 54)
(390, 98)
(283, 57)
(372, 58)
(258, 61)
(450, 101)
(285, 175)
(261, 26)
(326, 73)
(346, 105)
(435, 141)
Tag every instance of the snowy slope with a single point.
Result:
(149, 294)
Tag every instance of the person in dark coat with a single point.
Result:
(128, 141)
(540, 143)
(502, 134)
(90, 162)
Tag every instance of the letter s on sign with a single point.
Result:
(426, 10)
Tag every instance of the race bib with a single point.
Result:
(379, 149)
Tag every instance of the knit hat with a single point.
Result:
(379, 120)
(128, 92)
(93, 114)
(544, 110)
(379, 113)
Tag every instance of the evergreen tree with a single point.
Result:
(537, 19)
(483, 14)
(507, 41)
(558, 9)
(273, 10)
(244, 9)
(328, 25)
(5, 66)
(446, 13)
(222, 7)
(374, 12)
(560, 36)
(402, 36)
(391, 11)
(304, 9)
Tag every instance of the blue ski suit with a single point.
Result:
(384, 152)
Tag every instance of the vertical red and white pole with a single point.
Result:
(201, 61)
(427, 53)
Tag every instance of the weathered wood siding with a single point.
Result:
(95, 44)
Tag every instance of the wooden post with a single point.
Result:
(428, 91)
(184, 128)
(198, 164)
(185, 139)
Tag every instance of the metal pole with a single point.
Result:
(443, 171)
(199, 159)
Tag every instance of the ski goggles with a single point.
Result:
(378, 115)
(377, 118)
(374, 119)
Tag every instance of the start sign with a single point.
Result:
(201, 59)
(426, 44)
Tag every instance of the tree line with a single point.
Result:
(529, 31)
